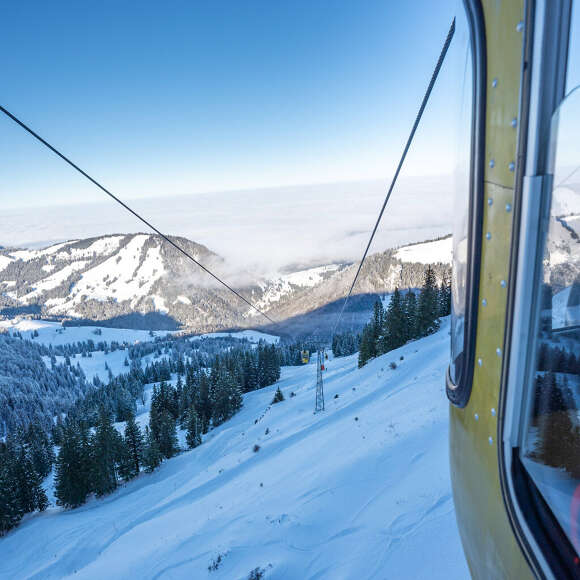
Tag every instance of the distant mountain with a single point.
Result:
(140, 281)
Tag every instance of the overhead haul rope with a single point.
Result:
(405, 150)
(142, 219)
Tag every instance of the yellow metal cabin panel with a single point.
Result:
(488, 541)
(504, 62)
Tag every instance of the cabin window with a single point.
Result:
(468, 185)
(551, 447)
(461, 214)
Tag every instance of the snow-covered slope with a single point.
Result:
(112, 278)
(360, 491)
(56, 334)
(53, 333)
(278, 288)
(251, 335)
(427, 252)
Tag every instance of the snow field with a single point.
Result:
(121, 277)
(427, 252)
(53, 281)
(361, 490)
(54, 333)
(251, 335)
(284, 283)
(95, 365)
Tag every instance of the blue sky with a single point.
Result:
(166, 98)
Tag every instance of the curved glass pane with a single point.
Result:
(461, 206)
(551, 451)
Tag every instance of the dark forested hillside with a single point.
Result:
(193, 384)
(29, 389)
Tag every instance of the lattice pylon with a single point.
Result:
(319, 406)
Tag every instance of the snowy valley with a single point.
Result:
(357, 491)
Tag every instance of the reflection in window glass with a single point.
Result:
(573, 72)
(461, 206)
(552, 444)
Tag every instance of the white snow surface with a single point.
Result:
(427, 252)
(95, 364)
(4, 261)
(159, 303)
(27, 255)
(361, 490)
(120, 277)
(55, 280)
(282, 285)
(101, 246)
(183, 300)
(54, 333)
(560, 307)
(250, 335)
(121, 272)
(309, 277)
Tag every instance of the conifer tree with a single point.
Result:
(278, 396)
(167, 438)
(151, 455)
(56, 433)
(30, 493)
(248, 373)
(559, 442)
(371, 337)
(154, 420)
(236, 399)
(445, 295)
(377, 325)
(10, 513)
(40, 449)
(221, 403)
(367, 346)
(394, 324)
(72, 466)
(203, 402)
(179, 396)
(193, 435)
(410, 309)
(428, 308)
(125, 467)
(105, 452)
(344, 344)
(134, 444)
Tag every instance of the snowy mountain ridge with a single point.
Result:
(140, 281)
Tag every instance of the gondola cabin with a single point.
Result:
(514, 375)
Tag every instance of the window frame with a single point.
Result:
(544, 543)
(459, 392)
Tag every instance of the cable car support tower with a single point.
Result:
(319, 384)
